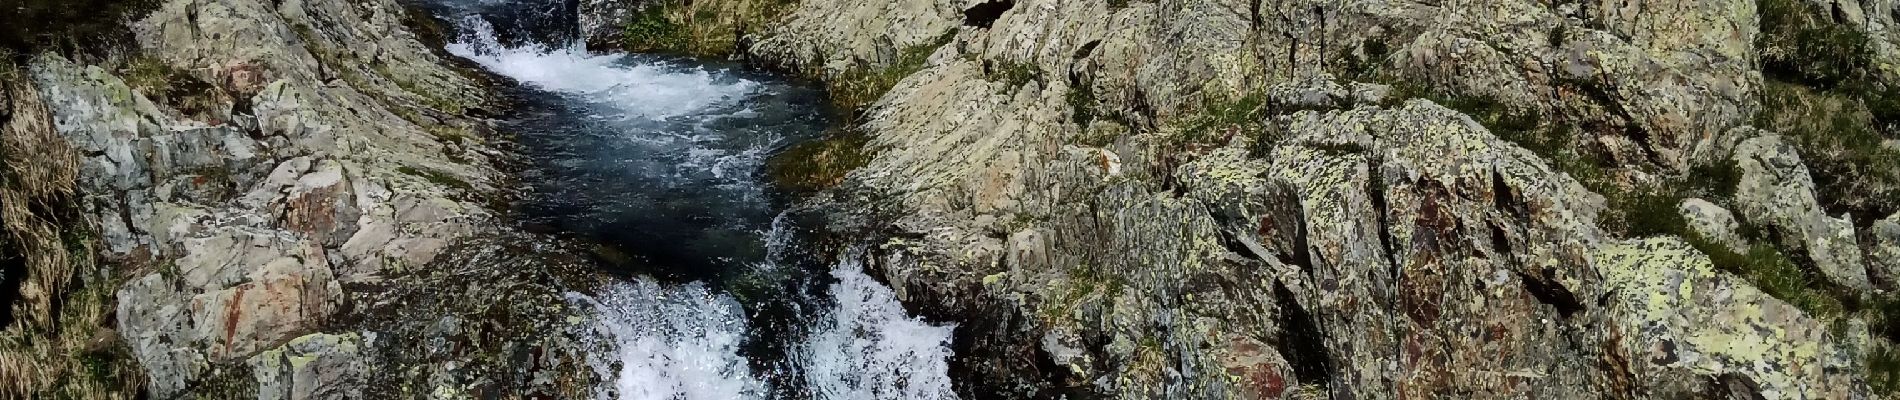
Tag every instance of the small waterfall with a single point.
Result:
(867, 348)
(682, 342)
(661, 156)
(664, 343)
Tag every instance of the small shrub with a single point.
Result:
(1802, 43)
(1221, 119)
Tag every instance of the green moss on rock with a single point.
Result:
(651, 30)
(863, 84)
(820, 164)
(437, 177)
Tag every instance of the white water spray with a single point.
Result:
(683, 342)
(867, 348)
(653, 91)
(671, 343)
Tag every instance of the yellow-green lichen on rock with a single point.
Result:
(1679, 313)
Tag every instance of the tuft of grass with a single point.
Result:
(173, 87)
(438, 177)
(651, 30)
(1014, 74)
(1837, 136)
(857, 88)
(821, 164)
(1223, 118)
(1802, 43)
(56, 300)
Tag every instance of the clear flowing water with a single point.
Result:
(659, 159)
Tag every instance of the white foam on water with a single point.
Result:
(868, 348)
(682, 342)
(653, 91)
(671, 343)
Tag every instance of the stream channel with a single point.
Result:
(657, 160)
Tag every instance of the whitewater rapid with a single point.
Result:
(687, 341)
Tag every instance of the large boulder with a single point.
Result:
(1680, 317)
(812, 39)
(1713, 223)
(1883, 252)
(1776, 191)
(313, 367)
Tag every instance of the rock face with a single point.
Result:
(284, 166)
(1685, 318)
(1218, 199)
(1777, 190)
(1883, 252)
(1714, 223)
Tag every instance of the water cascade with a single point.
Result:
(659, 159)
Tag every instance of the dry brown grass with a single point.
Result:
(57, 344)
(40, 174)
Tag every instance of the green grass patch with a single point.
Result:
(816, 165)
(1883, 369)
(1768, 269)
(1838, 139)
(1082, 102)
(1013, 74)
(859, 87)
(437, 177)
(1500, 118)
(1802, 43)
(650, 30)
(162, 84)
(1221, 119)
